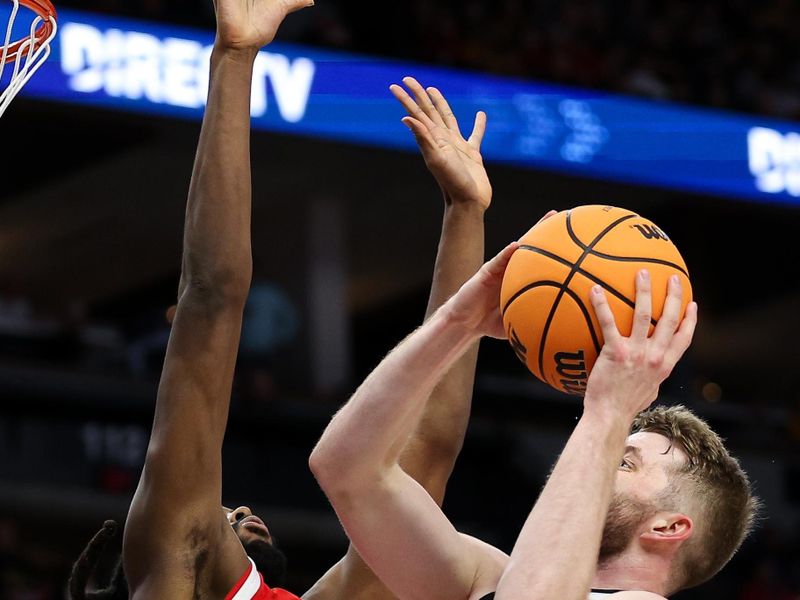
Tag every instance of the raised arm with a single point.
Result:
(555, 556)
(176, 524)
(457, 165)
(430, 454)
(392, 521)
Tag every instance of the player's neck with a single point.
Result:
(632, 570)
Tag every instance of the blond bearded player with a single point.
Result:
(633, 517)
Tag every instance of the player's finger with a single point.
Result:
(497, 265)
(683, 337)
(296, 5)
(478, 130)
(644, 309)
(421, 134)
(670, 316)
(410, 105)
(547, 215)
(423, 100)
(444, 110)
(605, 317)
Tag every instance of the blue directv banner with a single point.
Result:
(131, 65)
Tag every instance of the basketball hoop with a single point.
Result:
(29, 53)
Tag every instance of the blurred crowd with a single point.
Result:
(131, 341)
(735, 54)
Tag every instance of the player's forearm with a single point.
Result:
(555, 556)
(431, 453)
(217, 255)
(366, 437)
(460, 252)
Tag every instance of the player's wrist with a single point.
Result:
(223, 51)
(466, 202)
(606, 415)
(466, 207)
(459, 322)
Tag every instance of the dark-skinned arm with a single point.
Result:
(177, 541)
(431, 452)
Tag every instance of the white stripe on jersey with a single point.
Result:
(251, 585)
(592, 595)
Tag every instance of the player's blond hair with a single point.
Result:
(713, 483)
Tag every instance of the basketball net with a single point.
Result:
(25, 56)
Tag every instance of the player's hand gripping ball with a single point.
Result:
(544, 299)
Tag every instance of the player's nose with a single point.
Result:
(239, 513)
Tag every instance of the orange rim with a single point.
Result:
(43, 8)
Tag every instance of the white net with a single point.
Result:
(24, 57)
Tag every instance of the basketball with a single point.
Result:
(544, 298)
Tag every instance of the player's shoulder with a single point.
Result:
(636, 596)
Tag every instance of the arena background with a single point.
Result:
(344, 238)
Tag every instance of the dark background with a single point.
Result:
(344, 239)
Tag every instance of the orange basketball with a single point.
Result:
(545, 295)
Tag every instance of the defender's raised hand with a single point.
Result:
(629, 371)
(455, 162)
(252, 24)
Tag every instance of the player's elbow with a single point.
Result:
(324, 465)
(218, 292)
(338, 473)
(218, 277)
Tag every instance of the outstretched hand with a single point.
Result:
(626, 377)
(455, 162)
(252, 24)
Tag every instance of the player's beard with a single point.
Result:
(625, 517)
(270, 560)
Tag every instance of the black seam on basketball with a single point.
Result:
(520, 292)
(620, 258)
(525, 289)
(572, 233)
(657, 261)
(546, 253)
(588, 317)
(586, 274)
(573, 270)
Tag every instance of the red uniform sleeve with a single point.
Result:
(251, 586)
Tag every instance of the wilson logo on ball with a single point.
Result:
(572, 368)
(651, 232)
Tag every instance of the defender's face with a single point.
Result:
(246, 525)
(258, 544)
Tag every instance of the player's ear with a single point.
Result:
(668, 528)
(170, 314)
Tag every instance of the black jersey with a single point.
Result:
(593, 595)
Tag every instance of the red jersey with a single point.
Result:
(252, 587)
